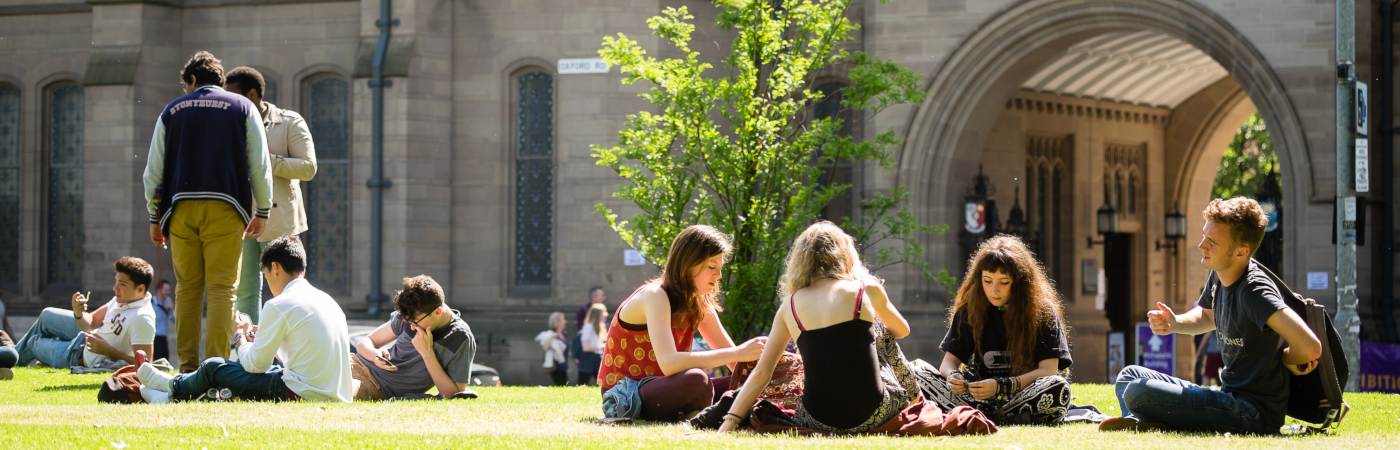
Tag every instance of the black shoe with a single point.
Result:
(1131, 424)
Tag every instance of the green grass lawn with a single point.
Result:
(46, 408)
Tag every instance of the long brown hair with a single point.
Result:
(694, 245)
(1033, 304)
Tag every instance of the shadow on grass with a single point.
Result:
(70, 387)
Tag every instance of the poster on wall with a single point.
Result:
(1380, 367)
(1116, 349)
(1155, 352)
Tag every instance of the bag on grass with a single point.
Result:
(122, 387)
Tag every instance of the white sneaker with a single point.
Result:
(154, 396)
(152, 377)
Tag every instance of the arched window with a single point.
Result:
(532, 129)
(270, 95)
(327, 201)
(63, 139)
(1049, 175)
(9, 188)
(843, 205)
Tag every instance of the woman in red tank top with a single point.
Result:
(648, 368)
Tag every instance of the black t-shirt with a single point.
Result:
(995, 361)
(1252, 352)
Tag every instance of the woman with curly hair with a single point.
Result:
(649, 371)
(1006, 345)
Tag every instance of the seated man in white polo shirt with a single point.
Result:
(301, 324)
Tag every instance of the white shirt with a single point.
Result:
(305, 328)
(554, 347)
(124, 325)
(588, 337)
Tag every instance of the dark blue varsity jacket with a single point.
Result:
(208, 144)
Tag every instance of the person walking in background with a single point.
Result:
(590, 348)
(164, 303)
(596, 296)
(293, 157)
(208, 185)
(555, 345)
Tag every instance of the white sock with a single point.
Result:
(153, 396)
(154, 378)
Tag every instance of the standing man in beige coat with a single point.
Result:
(293, 161)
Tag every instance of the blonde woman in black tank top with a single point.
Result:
(838, 313)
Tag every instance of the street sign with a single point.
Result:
(1362, 108)
(1156, 352)
(569, 66)
(1363, 166)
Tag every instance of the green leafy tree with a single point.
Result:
(1247, 160)
(739, 149)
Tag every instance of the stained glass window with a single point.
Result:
(327, 200)
(842, 172)
(534, 181)
(270, 88)
(65, 185)
(9, 188)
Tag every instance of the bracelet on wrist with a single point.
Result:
(737, 418)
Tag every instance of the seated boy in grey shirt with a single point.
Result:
(432, 347)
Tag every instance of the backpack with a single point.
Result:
(122, 387)
(1316, 397)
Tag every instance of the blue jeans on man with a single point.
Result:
(53, 340)
(1152, 396)
(221, 373)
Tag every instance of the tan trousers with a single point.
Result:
(206, 244)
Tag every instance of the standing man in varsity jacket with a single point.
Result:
(208, 185)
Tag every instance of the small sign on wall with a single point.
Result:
(1317, 281)
(570, 66)
(632, 257)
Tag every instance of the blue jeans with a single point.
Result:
(53, 340)
(1153, 396)
(219, 373)
(8, 357)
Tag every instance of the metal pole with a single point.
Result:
(1347, 319)
(377, 183)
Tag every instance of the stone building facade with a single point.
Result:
(487, 143)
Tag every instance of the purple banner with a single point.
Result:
(1156, 352)
(1380, 367)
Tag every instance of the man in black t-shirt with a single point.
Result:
(1261, 340)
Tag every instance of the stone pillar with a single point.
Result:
(130, 76)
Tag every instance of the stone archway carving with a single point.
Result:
(965, 94)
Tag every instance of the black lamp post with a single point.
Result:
(1176, 229)
(1107, 220)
